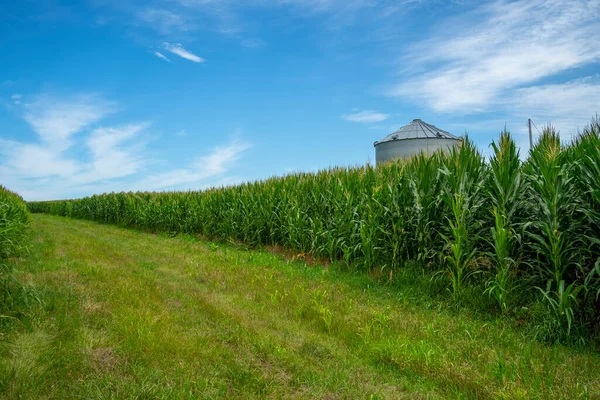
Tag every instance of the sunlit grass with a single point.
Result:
(128, 314)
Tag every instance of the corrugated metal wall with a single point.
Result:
(405, 148)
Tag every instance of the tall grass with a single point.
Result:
(497, 225)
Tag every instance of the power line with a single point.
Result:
(529, 123)
(536, 128)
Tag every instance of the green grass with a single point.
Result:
(126, 314)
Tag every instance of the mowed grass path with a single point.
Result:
(126, 314)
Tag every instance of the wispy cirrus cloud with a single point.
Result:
(33, 161)
(180, 51)
(56, 118)
(568, 106)
(176, 18)
(366, 116)
(74, 157)
(164, 21)
(162, 56)
(339, 12)
(115, 153)
(214, 164)
(469, 67)
(62, 122)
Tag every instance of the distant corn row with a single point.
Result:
(503, 225)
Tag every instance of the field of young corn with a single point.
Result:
(527, 234)
(14, 220)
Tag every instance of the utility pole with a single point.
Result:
(530, 137)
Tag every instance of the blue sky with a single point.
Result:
(111, 95)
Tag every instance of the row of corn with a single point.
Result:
(14, 220)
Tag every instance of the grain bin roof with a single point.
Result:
(417, 129)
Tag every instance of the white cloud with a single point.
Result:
(221, 158)
(367, 116)
(160, 55)
(342, 11)
(230, 17)
(164, 21)
(49, 166)
(35, 161)
(56, 119)
(35, 164)
(473, 61)
(178, 50)
(176, 19)
(71, 161)
(110, 157)
(569, 106)
(215, 164)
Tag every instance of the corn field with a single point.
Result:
(14, 220)
(503, 225)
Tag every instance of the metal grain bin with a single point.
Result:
(416, 137)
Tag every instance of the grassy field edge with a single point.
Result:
(126, 314)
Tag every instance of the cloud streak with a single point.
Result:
(180, 51)
(33, 161)
(366, 117)
(568, 106)
(338, 13)
(56, 119)
(164, 21)
(114, 155)
(160, 55)
(215, 164)
(470, 67)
